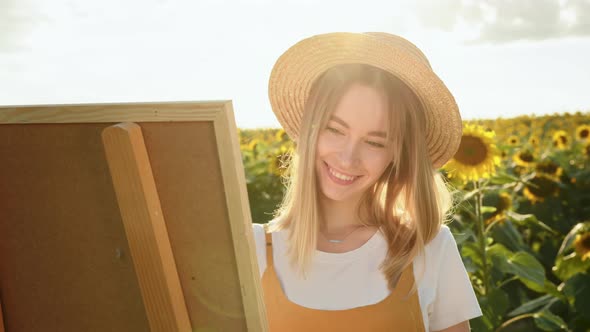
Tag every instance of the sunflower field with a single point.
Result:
(522, 219)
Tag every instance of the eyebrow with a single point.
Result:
(372, 133)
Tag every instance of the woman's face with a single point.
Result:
(353, 149)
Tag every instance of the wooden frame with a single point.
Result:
(168, 264)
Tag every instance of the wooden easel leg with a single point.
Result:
(145, 228)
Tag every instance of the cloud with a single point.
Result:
(502, 21)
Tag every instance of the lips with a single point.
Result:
(337, 180)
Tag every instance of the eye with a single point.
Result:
(334, 130)
(375, 144)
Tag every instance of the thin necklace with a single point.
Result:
(340, 241)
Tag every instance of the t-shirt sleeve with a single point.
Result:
(260, 240)
(455, 299)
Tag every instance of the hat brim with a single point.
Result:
(295, 71)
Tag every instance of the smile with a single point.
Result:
(340, 178)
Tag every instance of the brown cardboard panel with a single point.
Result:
(65, 262)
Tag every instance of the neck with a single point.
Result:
(338, 217)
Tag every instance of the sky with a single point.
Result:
(499, 58)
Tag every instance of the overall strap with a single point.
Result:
(269, 258)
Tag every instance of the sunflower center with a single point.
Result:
(563, 139)
(543, 186)
(547, 167)
(526, 156)
(504, 203)
(584, 133)
(472, 151)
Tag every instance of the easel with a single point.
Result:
(184, 253)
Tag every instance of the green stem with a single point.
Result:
(481, 237)
(510, 321)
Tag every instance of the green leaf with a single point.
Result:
(551, 288)
(577, 290)
(503, 178)
(499, 256)
(498, 301)
(548, 288)
(470, 250)
(494, 305)
(531, 305)
(523, 265)
(488, 209)
(463, 236)
(547, 321)
(567, 266)
(508, 235)
(527, 267)
(481, 323)
(529, 219)
(499, 250)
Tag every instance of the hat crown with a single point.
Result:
(399, 42)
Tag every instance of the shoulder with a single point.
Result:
(440, 241)
(429, 262)
(258, 229)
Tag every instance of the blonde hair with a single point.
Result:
(409, 202)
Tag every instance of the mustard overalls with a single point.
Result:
(394, 313)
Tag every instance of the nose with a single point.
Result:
(349, 154)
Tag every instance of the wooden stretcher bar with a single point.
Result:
(145, 228)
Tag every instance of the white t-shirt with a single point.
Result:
(445, 292)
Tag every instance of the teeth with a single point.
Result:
(341, 176)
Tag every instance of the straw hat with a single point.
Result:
(295, 71)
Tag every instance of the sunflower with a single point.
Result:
(513, 140)
(534, 141)
(477, 156)
(503, 204)
(524, 158)
(582, 245)
(281, 136)
(560, 139)
(583, 132)
(540, 187)
(549, 167)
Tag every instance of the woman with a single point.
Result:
(359, 242)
